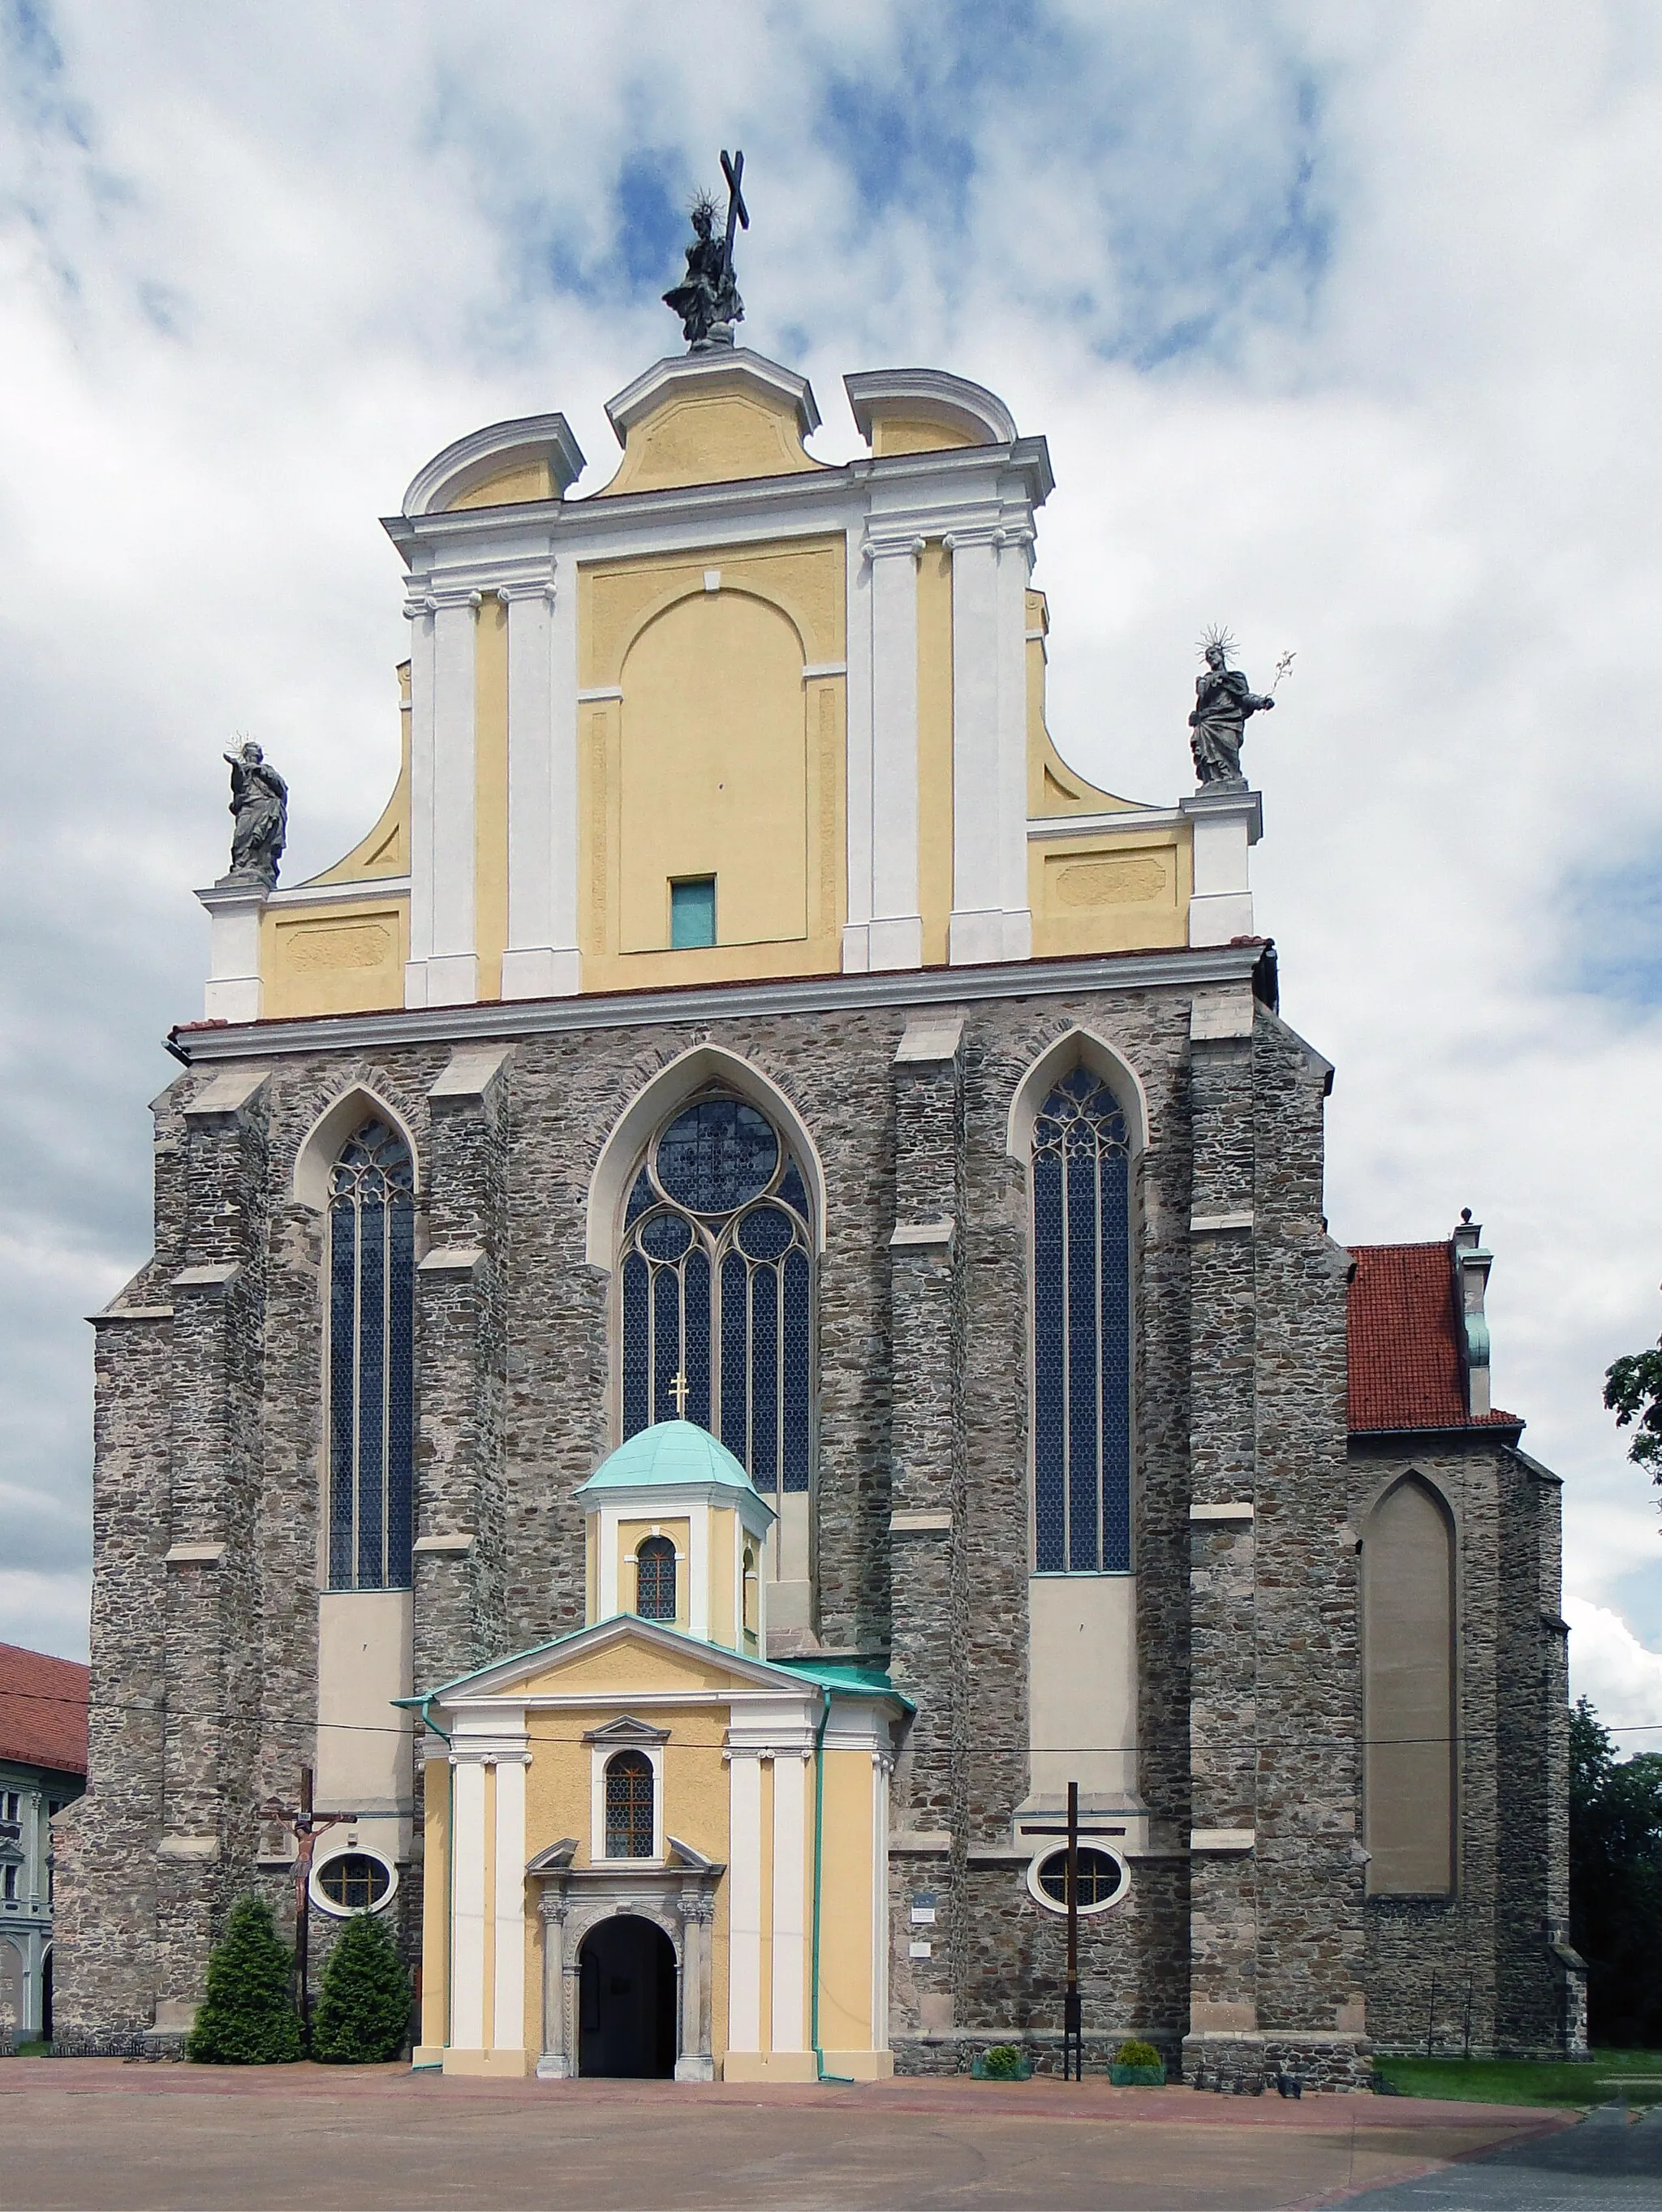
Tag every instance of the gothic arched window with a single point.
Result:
(717, 1287)
(655, 1579)
(371, 1361)
(1081, 1411)
(628, 1809)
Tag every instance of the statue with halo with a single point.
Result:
(708, 300)
(259, 812)
(1223, 701)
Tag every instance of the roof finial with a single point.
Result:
(708, 300)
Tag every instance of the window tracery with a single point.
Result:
(370, 1362)
(1081, 1263)
(655, 1579)
(717, 1289)
(629, 1807)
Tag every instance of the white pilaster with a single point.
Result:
(744, 1901)
(789, 1919)
(977, 930)
(1225, 823)
(453, 967)
(467, 1907)
(233, 990)
(1015, 569)
(420, 610)
(508, 2028)
(856, 951)
(881, 1766)
(540, 959)
(895, 934)
(699, 1566)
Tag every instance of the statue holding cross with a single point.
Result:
(708, 300)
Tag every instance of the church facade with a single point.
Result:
(741, 1296)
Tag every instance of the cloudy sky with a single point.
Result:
(1342, 325)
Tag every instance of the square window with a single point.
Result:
(692, 912)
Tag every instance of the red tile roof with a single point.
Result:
(1406, 1370)
(43, 1710)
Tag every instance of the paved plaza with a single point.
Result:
(102, 2136)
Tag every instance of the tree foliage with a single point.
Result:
(247, 2016)
(1615, 1883)
(1632, 1391)
(363, 2007)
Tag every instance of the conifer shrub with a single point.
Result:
(247, 2016)
(362, 2012)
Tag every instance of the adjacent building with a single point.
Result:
(43, 1768)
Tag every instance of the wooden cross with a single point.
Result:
(1073, 2033)
(738, 212)
(302, 1821)
(680, 1390)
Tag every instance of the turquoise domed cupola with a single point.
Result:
(675, 1531)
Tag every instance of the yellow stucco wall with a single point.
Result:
(713, 435)
(335, 958)
(1108, 893)
(915, 434)
(435, 1907)
(521, 481)
(845, 1905)
(935, 748)
(719, 758)
(490, 793)
(559, 1799)
(632, 1665)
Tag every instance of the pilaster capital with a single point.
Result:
(552, 1906)
(892, 542)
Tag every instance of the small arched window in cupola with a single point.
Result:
(655, 1579)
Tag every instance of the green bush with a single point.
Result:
(1002, 2063)
(363, 2007)
(247, 2016)
(1133, 2052)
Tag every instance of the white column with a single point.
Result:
(744, 1901)
(507, 2029)
(232, 993)
(857, 933)
(1015, 568)
(420, 610)
(699, 1571)
(467, 1907)
(895, 936)
(789, 1919)
(540, 959)
(882, 1766)
(976, 931)
(453, 967)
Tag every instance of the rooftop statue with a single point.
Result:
(259, 808)
(708, 301)
(1223, 700)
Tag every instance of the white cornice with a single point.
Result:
(720, 365)
(484, 453)
(1180, 969)
(931, 393)
(370, 887)
(1093, 825)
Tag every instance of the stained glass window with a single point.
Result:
(655, 1579)
(1081, 1411)
(717, 1290)
(371, 1362)
(628, 1806)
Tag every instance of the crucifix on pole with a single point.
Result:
(1073, 2033)
(304, 1820)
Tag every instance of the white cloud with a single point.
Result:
(1341, 325)
(1619, 1674)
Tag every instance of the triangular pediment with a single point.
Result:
(618, 1658)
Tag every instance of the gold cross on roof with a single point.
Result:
(681, 1389)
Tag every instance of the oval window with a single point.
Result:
(354, 1881)
(1103, 1878)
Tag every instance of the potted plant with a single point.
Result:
(1136, 2065)
(1003, 2062)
